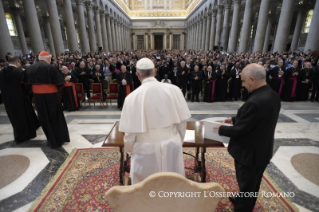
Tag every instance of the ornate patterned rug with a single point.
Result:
(81, 182)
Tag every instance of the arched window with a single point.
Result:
(10, 24)
(308, 22)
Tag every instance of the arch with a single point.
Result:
(307, 22)
(10, 23)
(106, 8)
(210, 7)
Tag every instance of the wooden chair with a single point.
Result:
(148, 195)
(97, 94)
(113, 92)
(132, 86)
(80, 92)
(114, 81)
(106, 85)
(228, 85)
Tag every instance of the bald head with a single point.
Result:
(255, 70)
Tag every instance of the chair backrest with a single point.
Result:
(114, 81)
(113, 88)
(79, 88)
(96, 88)
(106, 84)
(154, 194)
(132, 86)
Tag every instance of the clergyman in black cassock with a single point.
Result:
(18, 102)
(235, 84)
(124, 79)
(315, 81)
(210, 77)
(277, 74)
(306, 76)
(221, 84)
(252, 135)
(83, 74)
(196, 77)
(182, 76)
(291, 81)
(69, 95)
(46, 81)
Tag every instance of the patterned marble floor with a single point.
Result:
(297, 132)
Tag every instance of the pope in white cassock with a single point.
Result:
(154, 119)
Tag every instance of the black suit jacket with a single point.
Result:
(252, 135)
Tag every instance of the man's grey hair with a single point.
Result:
(183, 61)
(45, 57)
(146, 72)
(255, 70)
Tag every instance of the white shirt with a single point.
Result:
(168, 81)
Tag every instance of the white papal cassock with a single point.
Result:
(154, 120)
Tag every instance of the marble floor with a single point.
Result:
(297, 132)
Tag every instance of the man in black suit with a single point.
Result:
(252, 134)
(182, 76)
(84, 74)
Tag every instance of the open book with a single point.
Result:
(212, 134)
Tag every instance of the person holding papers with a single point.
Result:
(252, 134)
(154, 119)
(124, 79)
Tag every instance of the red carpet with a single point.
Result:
(87, 174)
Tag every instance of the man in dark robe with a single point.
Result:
(182, 76)
(46, 80)
(291, 81)
(252, 135)
(210, 77)
(221, 84)
(315, 81)
(196, 77)
(83, 75)
(277, 74)
(69, 95)
(98, 77)
(306, 76)
(18, 102)
(235, 84)
(124, 79)
(132, 70)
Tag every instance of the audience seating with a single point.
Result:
(97, 94)
(113, 92)
(80, 92)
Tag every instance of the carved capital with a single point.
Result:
(95, 9)
(88, 5)
(79, 2)
(220, 8)
(102, 12)
(214, 12)
(237, 1)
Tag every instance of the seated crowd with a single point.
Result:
(215, 75)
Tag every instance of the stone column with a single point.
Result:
(32, 26)
(284, 25)
(246, 28)
(134, 41)
(298, 29)
(55, 26)
(200, 34)
(203, 33)
(19, 27)
(170, 40)
(104, 34)
(165, 41)
(82, 27)
(219, 24)
(152, 41)
(206, 48)
(70, 27)
(262, 25)
(226, 26)
(5, 38)
(197, 35)
(182, 40)
(116, 38)
(146, 41)
(113, 34)
(48, 32)
(118, 26)
(212, 29)
(190, 41)
(98, 26)
(92, 39)
(109, 32)
(232, 45)
(267, 36)
(312, 38)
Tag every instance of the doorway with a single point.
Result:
(158, 39)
